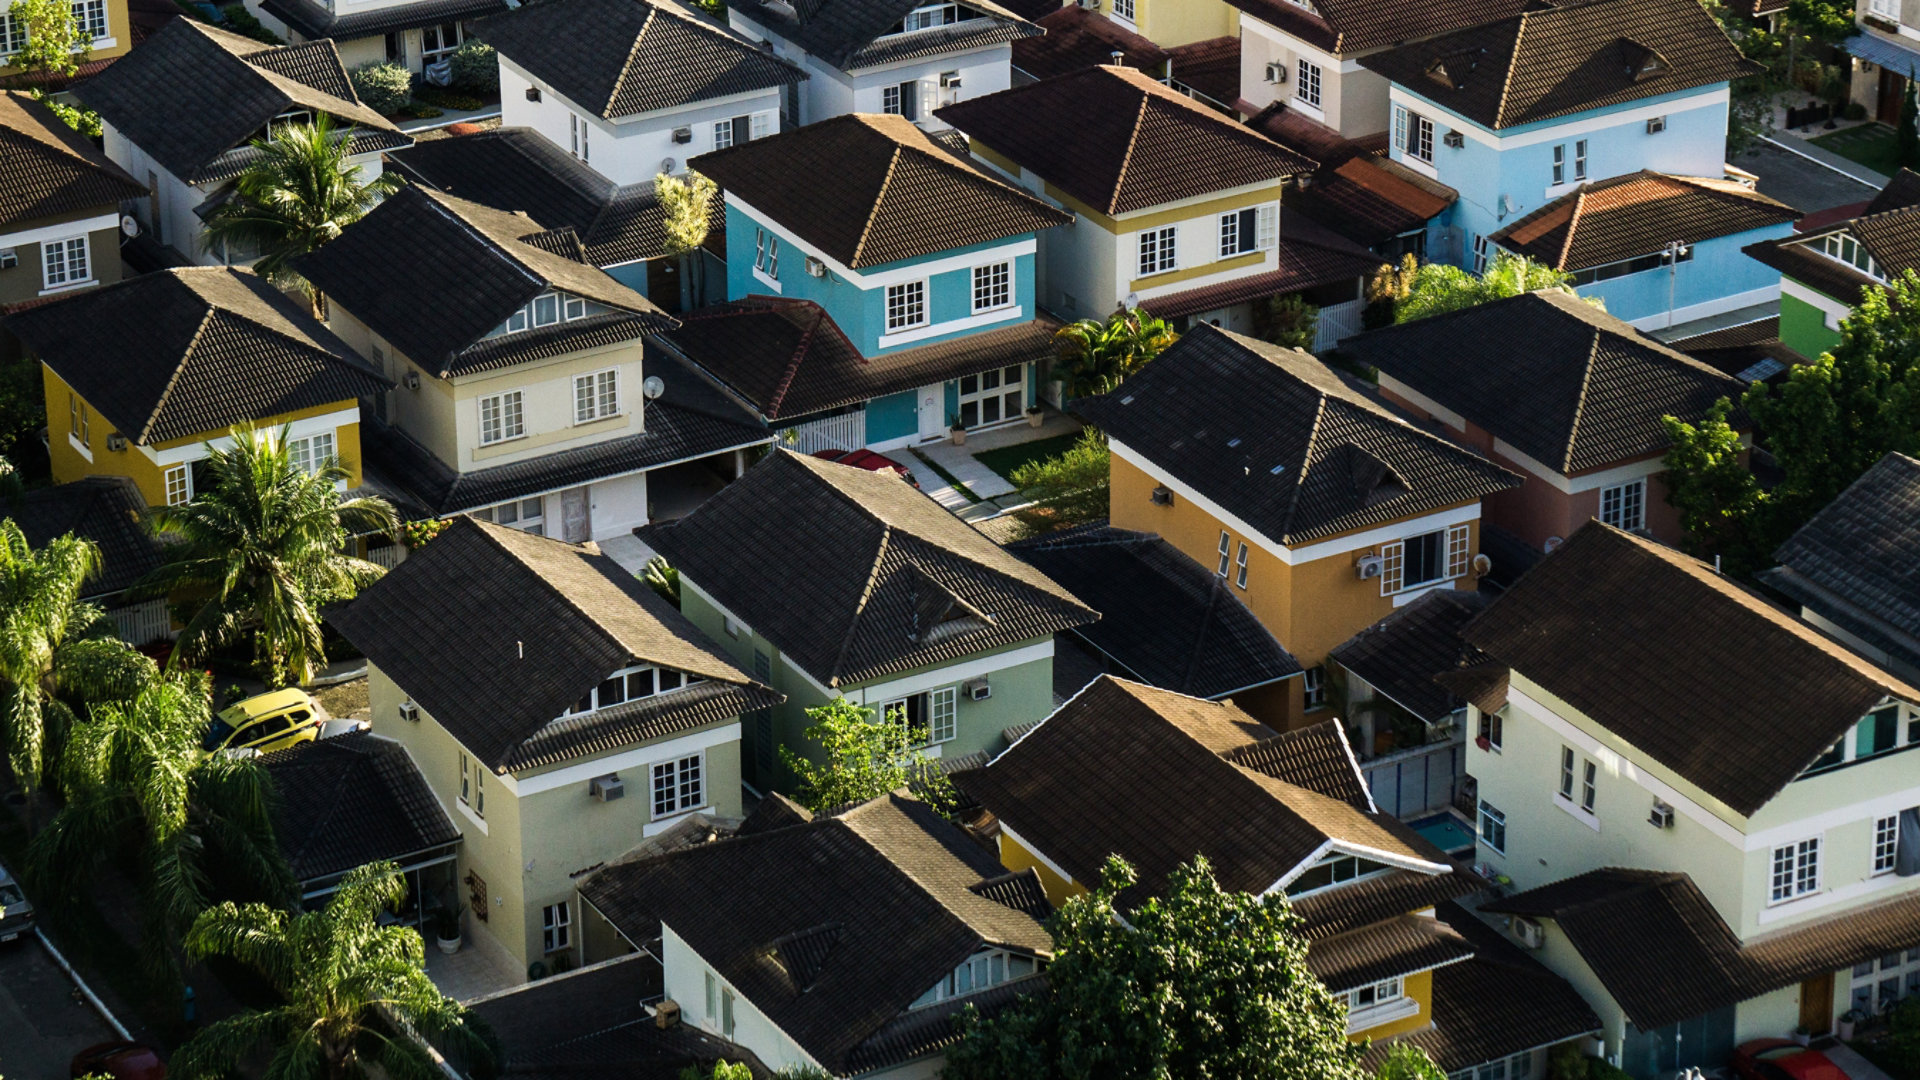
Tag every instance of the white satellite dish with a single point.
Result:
(129, 226)
(653, 387)
(667, 165)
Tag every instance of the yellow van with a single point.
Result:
(266, 722)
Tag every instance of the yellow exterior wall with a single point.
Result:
(1418, 987)
(119, 31)
(1017, 858)
(1168, 23)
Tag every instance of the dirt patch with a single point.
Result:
(347, 700)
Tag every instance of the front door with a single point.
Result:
(576, 516)
(931, 403)
(1816, 1004)
(1892, 89)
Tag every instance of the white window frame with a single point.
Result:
(178, 481)
(556, 927)
(1559, 164)
(993, 280)
(1793, 871)
(913, 303)
(1624, 506)
(1886, 844)
(1569, 767)
(473, 788)
(1306, 83)
(1493, 827)
(1886, 9)
(91, 17)
(1159, 250)
(510, 423)
(1589, 785)
(1124, 9)
(57, 262)
(1454, 562)
(1413, 134)
(1579, 160)
(1240, 563)
(1009, 381)
(1313, 687)
(985, 970)
(13, 36)
(307, 453)
(677, 797)
(602, 400)
(943, 714)
(656, 679)
(527, 515)
(1226, 549)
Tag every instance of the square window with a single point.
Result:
(678, 786)
(596, 396)
(546, 310)
(64, 262)
(992, 286)
(1796, 870)
(906, 306)
(1624, 506)
(576, 308)
(501, 418)
(1493, 827)
(1157, 253)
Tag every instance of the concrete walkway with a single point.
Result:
(960, 463)
(1794, 144)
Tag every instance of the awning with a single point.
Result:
(1878, 50)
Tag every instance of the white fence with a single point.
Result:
(848, 431)
(1419, 781)
(144, 623)
(1337, 321)
(389, 556)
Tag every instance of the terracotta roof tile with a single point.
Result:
(1352, 26)
(1638, 214)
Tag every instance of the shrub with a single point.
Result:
(1855, 111)
(384, 87)
(242, 22)
(474, 68)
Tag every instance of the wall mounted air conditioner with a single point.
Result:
(1662, 816)
(950, 80)
(1530, 933)
(1454, 139)
(410, 711)
(413, 380)
(116, 441)
(1368, 567)
(816, 267)
(1276, 72)
(976, 689)
(1656, 125)
(533, 93)
(683, 134)
(607, 788)
(1162, 495)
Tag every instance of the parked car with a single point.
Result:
(870, 461)
(119, 1060)
(16, 911)
(265, 722)
(1783, 1059)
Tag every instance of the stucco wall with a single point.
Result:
(26, 280)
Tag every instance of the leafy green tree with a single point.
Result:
(662, 579)
(1718, 498)
(84, 121)
(1906, 137)
(1095, 354)
(55, 650)
(688, 204)
(865, 759)
(56, 43)
(1071, 489)
(299, 194)
(139, 792)
(1286, 320)
(1437, 288)
(1199, 983)
(1406, 1061)
(721, 1071)
(259, 550)
(338, 972)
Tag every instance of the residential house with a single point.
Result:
(882, 309)
(1883, 57)
(522, 396)
(848, 942)
(419, 35)
(1519, 112)
(1850, 568)
(1714, 835)
(1828, 266)
(1326, 510)
(1176, 207)
(1149, 775)
(59, 208)
(622, 227)
(1362, 195)
(1564, 394)
(110, 513)
(902, 57)
(104, 25)
(1165, 620)
(1206, 69)
(874, 593)
(143, 376)
(1171, 23)
(187, 154)
(631, 88)
(530, 681)
(1657, 249)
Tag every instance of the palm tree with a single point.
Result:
(1097, 354)
(139, 791)
(259, 549)
(336, 969)
(298, 195)
(54, 649)
(687, 203)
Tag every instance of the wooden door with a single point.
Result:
(1892, 87)
(1816, 1004)
(576, 516)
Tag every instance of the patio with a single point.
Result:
(478, 969)
(980, 491)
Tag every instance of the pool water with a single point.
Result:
(1446, 832)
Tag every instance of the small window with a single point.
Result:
(1588, 790)
(1886, 843)
(1240, 232)
(942, 714)
(992, 286)
(1579, 160)
(576, 308)
(1567, 760)
(1413, 134)
(65, 262)
(713, 999)
(1624, 506)
(678, 786)
(726, 1013)
(1314, 685)
(556, 927)
(1559, 164)
(1157, 250)
(313, 453)
(1240, 561)
(501, 418)
(1124, 9)
(546, 310)
(179, 485)
(1226, 547)
(1796, 870)
(596, 396)
(906, 306)
(1493, 827)
(1492, 729)
(1307, 86)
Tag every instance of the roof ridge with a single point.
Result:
(626, 69)
(1513, 62)
(1126, 160)
(906, 874)
(866, 229)
(1306, 459)
(1216, 585)
(793, 365)
(860, 607)
(1580, 402)
(1573, 225)
(179, 368)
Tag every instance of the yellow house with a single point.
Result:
(1324, 510)
(142, 375)
(103, 23)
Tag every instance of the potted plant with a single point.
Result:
(1847, 1021)
(957, 430)
(446, 929)
(1034, 415)
(1801, 1035)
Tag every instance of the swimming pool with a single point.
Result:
(1446, 832)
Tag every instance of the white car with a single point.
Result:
(16, 911)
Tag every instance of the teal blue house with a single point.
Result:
(880, 287)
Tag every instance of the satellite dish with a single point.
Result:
(129, 226)
(667, 165)
(1482, 566)
(653, 387)
(1552, 543)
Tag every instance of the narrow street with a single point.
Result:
(43, 1018)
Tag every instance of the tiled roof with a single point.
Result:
(1132, 143)
(1279, 440)
(1901, 192)
(1351, 26)
(1748, 352)
(1316, 757)
(1210, 67)
(233, 86)
(1308, 254)
(881, 895)
(853, 34)
(1550, 61)
(1638, 214)
(315, 20)
(897, 194)
(1370, 199)
(517, 170)
(521, 627)
(192, 352)
(1126, 769)
(1336, 911)
(47, 169)
(1664, 953)
(1077, 38)
(1792, 256)
(853, 575)
(934, 1028)
(1740, 712)
(1552, 376)
(108, 510)
(1387, 949)
(789, 358)
(625, 57)
(1399, 655)
(352, 800)
(1858, 559)
(389, 271)
(1163, 617)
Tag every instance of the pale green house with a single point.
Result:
(826, 580)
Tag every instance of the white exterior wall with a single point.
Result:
(1353, 100)
(830, 92)
(685, 976)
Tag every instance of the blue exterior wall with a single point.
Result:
(1718, 269)
(892, 417)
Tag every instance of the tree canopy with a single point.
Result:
(56, 43)
(1437, 288)
(1097, 354)
(866, 757)
(1073, 488)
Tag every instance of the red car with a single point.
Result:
(1783, 1059)
(870, 461)
(119, 1060)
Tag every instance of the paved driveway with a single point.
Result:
(1805, 185)
(43, 1019)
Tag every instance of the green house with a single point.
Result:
(828, 580)
(1826, 267)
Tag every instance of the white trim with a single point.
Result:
(1867, 810)
(1408, 596)
(1398, 1009)
(951, 326)
(1347, 847)
(544, 492)
(303, 428)
(74, 441)
(1570, 485)
(1007, 831)
(1830, 309)
(63, 231)
(1341, 730)
(871, 279)
(1556, 131)
(952, 673)
(468, 811)
(69, 286)
(1702, 310)
(760, 276)
(1572, 810)
(638, 757)
(1783, 910)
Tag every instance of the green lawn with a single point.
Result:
(1872, 145)
(1005, 459)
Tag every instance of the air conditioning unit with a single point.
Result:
(666, 1014)
(1276, 72)
(1090, 5)
(1530, 933)
(410, 711)
(950, 80)
(8, 259)
(1369, 567)
(976, 689)
(413, 380)
(1454, 139)
(1162, 495)
(533, 93)
(607, 788)
(116, 441)
(1656, 125)
(683, 134)
(816, 267)
(1662, 816)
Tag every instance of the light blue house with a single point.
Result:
(881, 288)
(1528, 116)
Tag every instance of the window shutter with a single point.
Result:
(910, 100)
(1269, 227)
(1393, 562)
(761, 123)
(929, 98)
(1249, 228)
(1400, 127)
(742, 129)
(1457, 554)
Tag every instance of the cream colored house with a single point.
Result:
(1711, 809)
(560, 711)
